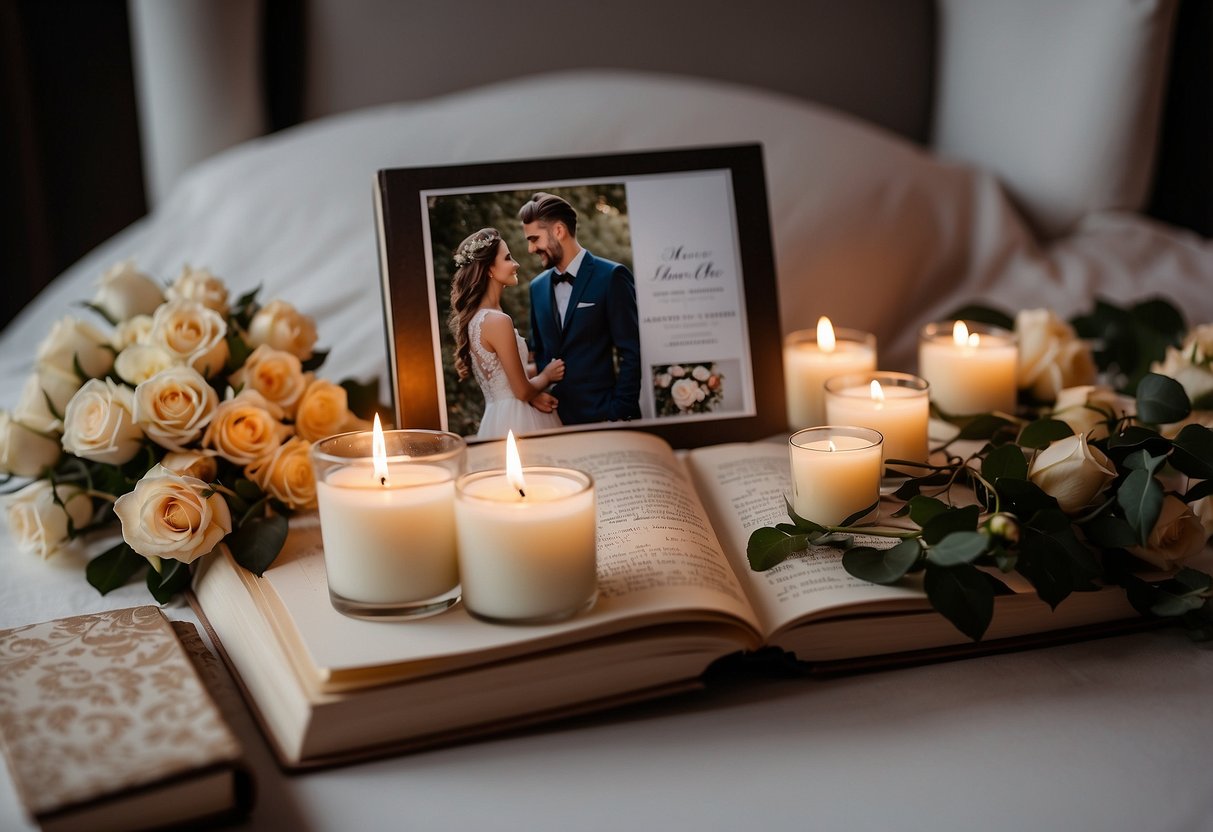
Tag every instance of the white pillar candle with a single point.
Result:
(529, 554)
(971, 367)
(388, 521)
(895, 404)
(836, 472)
(810, 358)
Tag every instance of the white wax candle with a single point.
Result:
(902, 416)
(807, 366)
(830, 485)
(393, 544)
(970, 378)
(527, 558)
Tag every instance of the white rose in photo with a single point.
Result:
(38, 524)
(323, 410)
(33, 410)
(246, 429)
(200, 464)
(1051, 356)
(136, 330)
(286, 475)
(700, 373)
(201, 286)
(192, 334)
(281, 326)
(171, 516)
(1087, 408)
(71, 341)
(174, 406)
(100, 425)
(124, 292)
(139, 362)
(685, 393)
(25, 452)
(678, 371)
(1178, 535)
(276, 374)
(664, 380)
(1072, 472)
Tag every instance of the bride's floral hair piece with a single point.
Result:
(472, 246)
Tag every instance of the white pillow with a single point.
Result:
(1061, 100)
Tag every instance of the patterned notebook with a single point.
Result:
(106, 724)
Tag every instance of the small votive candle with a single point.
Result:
(836, 471)
(387, 520)
(809, 358)
(971, 367)
(527, 543)
(895, 404)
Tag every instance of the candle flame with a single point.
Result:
(877, 392)
(825, 334)
(833, 447)
(379, 452)
(513, 465)
(974, 340)
(960, 334)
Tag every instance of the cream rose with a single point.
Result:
(124, 292)
(174, 406)
(191, 334)
(246, 429)
(32, 409)
(58, 386)
(139, 362)
(1087, 409)
(1203, 509)
(1189, 365)
(71, 341)
(686, 392)
(25, 452)
(201, 286)
(281, 326)
(287, 475)
(1072, 472)
(1051, 356)
(700, 373)
(200, 464)
(323, 410)
(39, 524)
(171, 516)
(1177, 536)
(100, 425)
(276, 374)
(136, 330)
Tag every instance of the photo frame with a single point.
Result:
(683, 232)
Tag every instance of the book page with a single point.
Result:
(658, 562)
(744, 487)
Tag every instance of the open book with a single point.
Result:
(675, 594)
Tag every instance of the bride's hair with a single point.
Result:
(474, 257)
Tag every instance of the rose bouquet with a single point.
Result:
(1086, 485)
(686, 388)
(188, 423)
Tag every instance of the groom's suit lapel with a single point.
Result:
(584, 274)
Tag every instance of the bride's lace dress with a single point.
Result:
(502, 411)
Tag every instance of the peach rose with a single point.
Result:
(323, 410)
(1177, 536)
(286, 475)
(281, 326)
(174, 406)
(276, 374)
(200, 464)
(201, 286)
(246, 428)
(192, 334)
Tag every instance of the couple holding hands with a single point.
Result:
(584, 328)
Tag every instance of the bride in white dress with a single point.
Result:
(489, 347)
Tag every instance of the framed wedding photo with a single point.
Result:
(640, 286)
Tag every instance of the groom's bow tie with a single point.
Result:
(562, 277)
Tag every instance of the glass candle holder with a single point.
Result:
(836, 472)
(389, 541)
(895, 404)
(528, 555)
(971, 367)
(807, 364)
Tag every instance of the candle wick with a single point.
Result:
(383, 481)
(521, 493)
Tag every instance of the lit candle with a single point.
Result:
(895, 404)
(527, 541)
(971, 367)
(387, 519)
(809, 358)
(836, 472)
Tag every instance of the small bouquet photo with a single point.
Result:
(188, 423)
(679, 389)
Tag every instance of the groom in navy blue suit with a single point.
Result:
(583, 309)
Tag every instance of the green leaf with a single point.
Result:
(982, 315)
(1023, 498)
(173, 577)
(316, 361)
(362, 399)
(963, 596)
(1161, 400)
(1196, 492)
(1004, 462)
(1143, 461)
(1203, 402)
(1043, 561)
(113, 568)
(248, 490)
(1193, 452)
(863, 512)
(1135, 437)
(1159, 315)
(238, 352)
(922, 509)
(1041, 433)
(256, 543)
(882, 566)
(768, 547)
(104, 313)
(958, 548)
(1194, 580)
(1110, 532)
(984, 426)
(1140, 495)
(952, 520)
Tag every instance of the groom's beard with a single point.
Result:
(552, 255)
